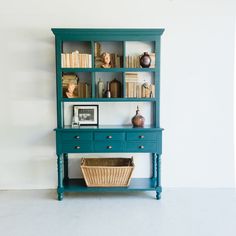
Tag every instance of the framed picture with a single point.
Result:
(87, 114)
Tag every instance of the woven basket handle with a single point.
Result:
(132, 161)
(82, 160)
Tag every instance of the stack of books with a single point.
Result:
(136, 89)
(132, 62)
(76, 60)
(97, 49)
(153, 60)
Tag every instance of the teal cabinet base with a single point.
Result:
(136, 184)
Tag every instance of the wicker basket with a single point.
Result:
(107, 172)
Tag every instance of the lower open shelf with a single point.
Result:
(136, 184)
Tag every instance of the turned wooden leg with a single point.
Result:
(60, 189)
(66, 172)
(157, 174)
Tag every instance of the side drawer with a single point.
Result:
(108, 146)
(142, 147)
(144, 136)
(76, 147)
(109, 136)
(77, 136)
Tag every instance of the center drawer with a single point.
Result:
(108, 146)
(109, 136)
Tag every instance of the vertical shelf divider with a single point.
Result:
(157, 83)
(93, 85)
(60, 114)
(123, 73)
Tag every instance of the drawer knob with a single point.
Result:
(77, 147)
(141, 147)
(109, 147)
(109, 137)
(77, 137)
(141, 136)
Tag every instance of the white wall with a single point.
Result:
(196, 89)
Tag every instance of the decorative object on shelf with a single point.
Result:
(107, 93)
(107, 172)
(87, 114)
(69, 83)
(101, 88)
(148, 90)
(106, 59)
(75, 120)
(138, 120)
(115, 88)
(145, 60)
(70, 90)
(84, 90)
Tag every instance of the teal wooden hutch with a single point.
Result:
(107, 139)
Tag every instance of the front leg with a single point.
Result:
(60, 188)
(158, 176)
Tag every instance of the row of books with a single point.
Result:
(76, 60)
(134, 61)
(139, 90)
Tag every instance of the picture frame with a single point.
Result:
(88, 115)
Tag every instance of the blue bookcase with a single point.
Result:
(99, 139)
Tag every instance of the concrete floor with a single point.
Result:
(181, 212)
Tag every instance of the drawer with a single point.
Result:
(77, 136)
(108, 146)
(142, 147)
(75, 147)
(144, 136)
(109, 136)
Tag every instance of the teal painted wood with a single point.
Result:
(108, 128)
(158, 182)
(108, 100)
(76, 70)
(137, 184)
(93, 85)
(66, 169)
(93, 140)
(107, 34)
(123, 72)
(58, 45)
(110, 136)
(60, 188)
